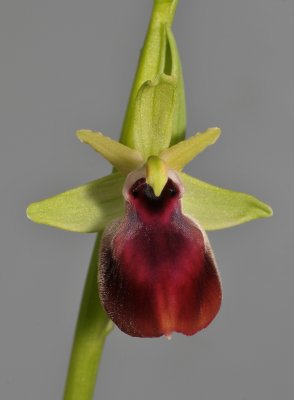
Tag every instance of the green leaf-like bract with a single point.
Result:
(153, 116)
(158, 57)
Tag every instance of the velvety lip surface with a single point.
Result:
(157, 272)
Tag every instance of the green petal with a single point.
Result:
(156, 174)
(217, 208)
(87, 208)
(183, 152)
(153, 116)
(120, 156)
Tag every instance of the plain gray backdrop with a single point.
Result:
(66, 65)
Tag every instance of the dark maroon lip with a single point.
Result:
(157, 272)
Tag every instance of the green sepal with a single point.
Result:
(123, 158)
(180, 154)
(156, 174)
(217, 208)
(87, 208)
(153, 116)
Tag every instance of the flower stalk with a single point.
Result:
(92, 328)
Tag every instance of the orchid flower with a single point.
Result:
(157, 271)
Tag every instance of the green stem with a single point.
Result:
(93, 326)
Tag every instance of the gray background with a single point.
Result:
(69, 64)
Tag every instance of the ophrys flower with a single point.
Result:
(157, 271)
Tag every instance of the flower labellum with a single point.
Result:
(157, 272)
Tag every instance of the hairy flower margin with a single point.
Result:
(157, 272)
